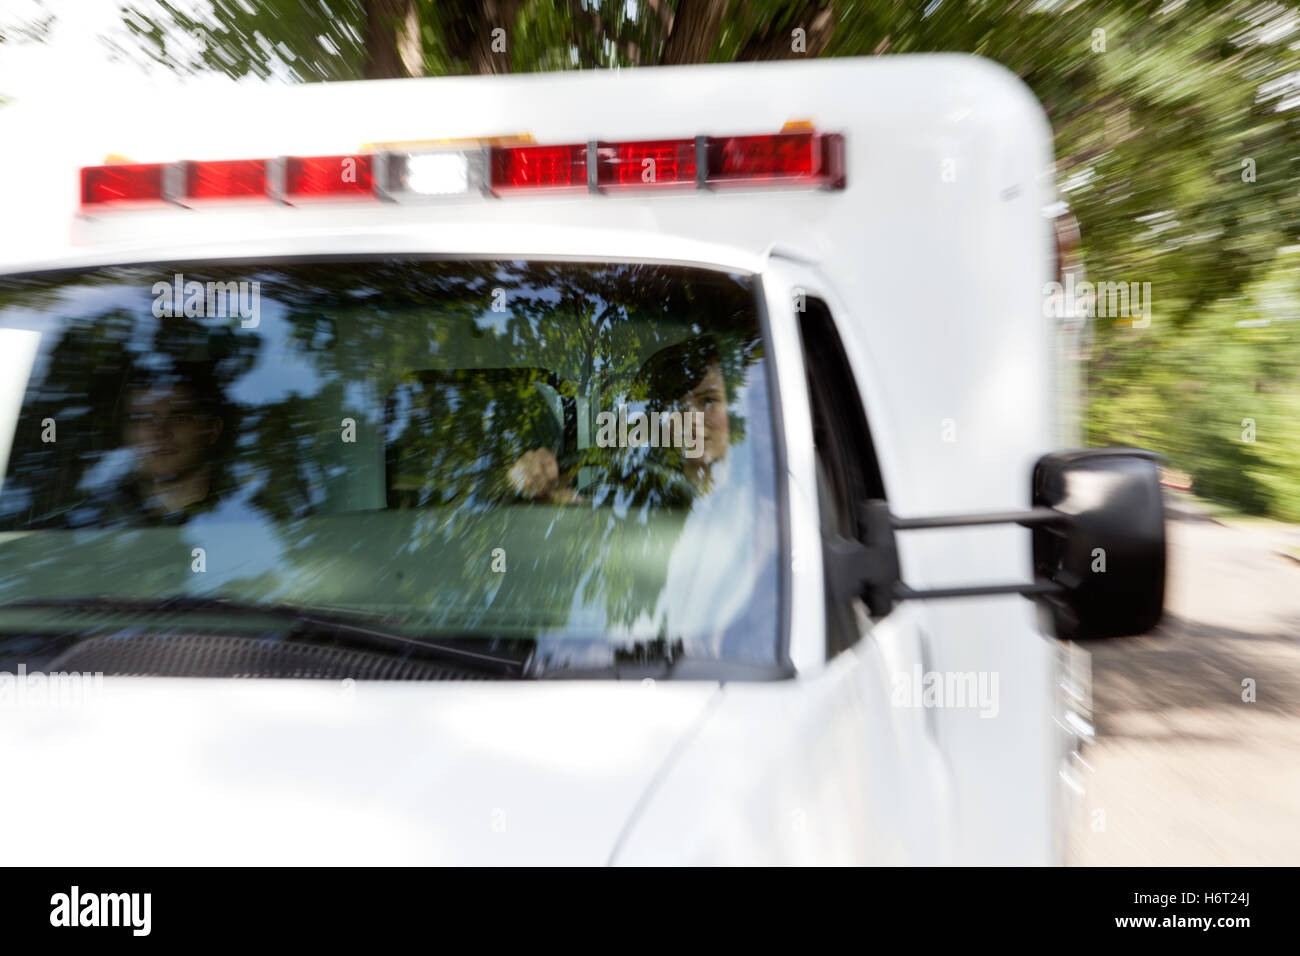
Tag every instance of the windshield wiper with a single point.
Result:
(307, 621)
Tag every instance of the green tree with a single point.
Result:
(1176, 130)
(381, 39)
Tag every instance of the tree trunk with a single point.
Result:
(467, 32)
(695, 28)
(386, 21)
(778, 44)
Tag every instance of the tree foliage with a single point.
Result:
(1176, 134)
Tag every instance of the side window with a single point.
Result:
(847, 471)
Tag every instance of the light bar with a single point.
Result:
(101, 185)
(553, 168)
(794, 158)
(654, 164)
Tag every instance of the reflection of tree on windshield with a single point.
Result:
(445, 393)
(454, 420)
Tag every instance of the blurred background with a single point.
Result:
(1177, 134)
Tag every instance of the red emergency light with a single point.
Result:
(323, 177)
(803, 159)
(226, 179)
(554, 168)
(656, 164)
(101, 185)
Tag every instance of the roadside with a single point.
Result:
(1284, 538)
(1187, 769)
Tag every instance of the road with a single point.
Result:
(1183, 770)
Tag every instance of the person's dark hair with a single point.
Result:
(674, 371)
(200, 379)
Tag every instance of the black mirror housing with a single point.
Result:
(1107, 554)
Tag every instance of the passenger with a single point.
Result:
(687, 379)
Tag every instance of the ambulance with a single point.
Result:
(661, 466)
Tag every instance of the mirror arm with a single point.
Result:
(867, 567)
(904, 593)
(1028, 519)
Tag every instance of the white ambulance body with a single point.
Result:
(930, 258)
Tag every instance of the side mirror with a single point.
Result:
(1108, 555)
(1098, 525)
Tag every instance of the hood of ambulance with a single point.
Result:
(149, 771)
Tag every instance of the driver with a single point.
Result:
(170, 426)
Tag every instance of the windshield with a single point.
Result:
(570, 461)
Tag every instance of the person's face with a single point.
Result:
(709, 398)
(167, 431)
